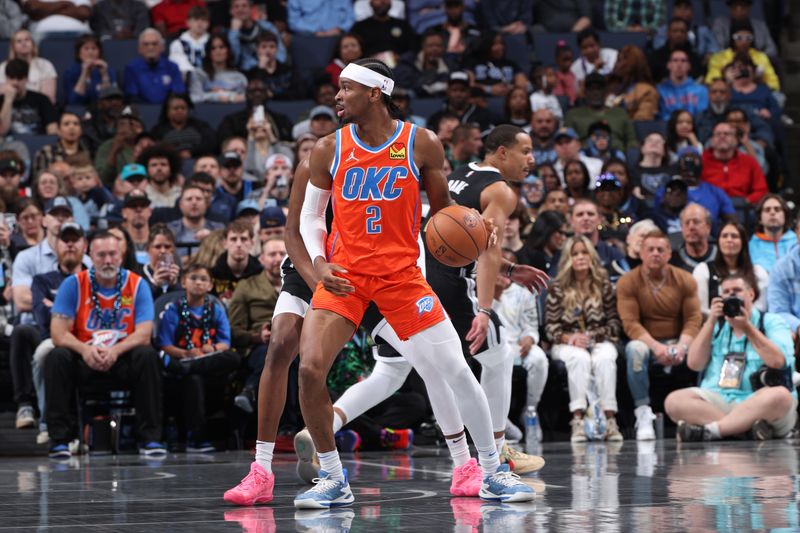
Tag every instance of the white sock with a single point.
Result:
(337, 421)
(713, 430)
(330, 463)
(489, 459)
(264, 454)
(499, 442)
(459, 450)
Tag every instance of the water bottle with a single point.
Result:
(531, 426)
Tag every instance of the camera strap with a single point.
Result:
(760, 328)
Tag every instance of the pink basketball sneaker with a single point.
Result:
(255, 488)
(467, 479)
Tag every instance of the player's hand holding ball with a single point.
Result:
(457, 235)
(330, 276)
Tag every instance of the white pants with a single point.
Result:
(581, 365)
(536, 365)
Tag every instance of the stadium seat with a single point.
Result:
(36, 142)
(119, 52)
(425, 107)
(544, 45)
(618, 40)
(3, 49)
(698, 11)
(149, 114)
(61, 53)
(310, 54)
(294, 109)
(518, 51)
(214, 113)
(719, 8)
(645, 127)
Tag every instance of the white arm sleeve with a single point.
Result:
(312, 220)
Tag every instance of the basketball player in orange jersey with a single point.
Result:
(387, 376)
(372, 171)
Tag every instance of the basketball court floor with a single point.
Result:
(661, 486)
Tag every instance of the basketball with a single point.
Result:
(456, 235)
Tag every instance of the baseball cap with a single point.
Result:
(600, 125)
(459, 77)
(322, 110)
(231, 159)
(565, 132)
(607, 180)
(136, 197)
(130, 112)
(133, 170)
(59, 202)
(112, 91)
(278, 159)
(247, 205)
(10, 163)
(272, 217)
(688, 150)
(531, 179)
(676, 182)
(70, 228)
(593, 79)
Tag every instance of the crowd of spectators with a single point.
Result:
(150, 254)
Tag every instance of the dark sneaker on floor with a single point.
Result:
(690, 432)
(347, 440)
(397, 439)
(200, 447)
(60, 451)
(762, 430)
(246, 400)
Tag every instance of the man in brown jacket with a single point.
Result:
(660, 313)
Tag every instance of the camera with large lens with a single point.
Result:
(732, 306)
(771, 377)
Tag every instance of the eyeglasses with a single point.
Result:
(743, 37)
(567, 234)
(724, 134)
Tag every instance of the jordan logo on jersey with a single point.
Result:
(397, 151)
(352, 156)
(457, 186)
(425, 305)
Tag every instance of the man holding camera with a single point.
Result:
(746, 359)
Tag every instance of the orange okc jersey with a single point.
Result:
(86, 319)
(376, 203)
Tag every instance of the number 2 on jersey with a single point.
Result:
(373, 219)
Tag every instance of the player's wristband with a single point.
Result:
(485, 311)
(510, 269)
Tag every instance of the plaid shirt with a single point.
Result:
(54, 152)
(650, 14)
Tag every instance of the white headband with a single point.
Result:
(368, 77)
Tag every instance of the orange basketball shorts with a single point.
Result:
(404, 299)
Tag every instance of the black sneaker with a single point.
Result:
(762, 430)
(690, 432)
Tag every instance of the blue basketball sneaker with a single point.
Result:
(326, 493)
(505, 486)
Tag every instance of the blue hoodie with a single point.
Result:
(766, 252)
(783, 292)
(690, 95)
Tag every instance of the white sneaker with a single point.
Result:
(578, 430)
(513, 433)
(644, 423)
